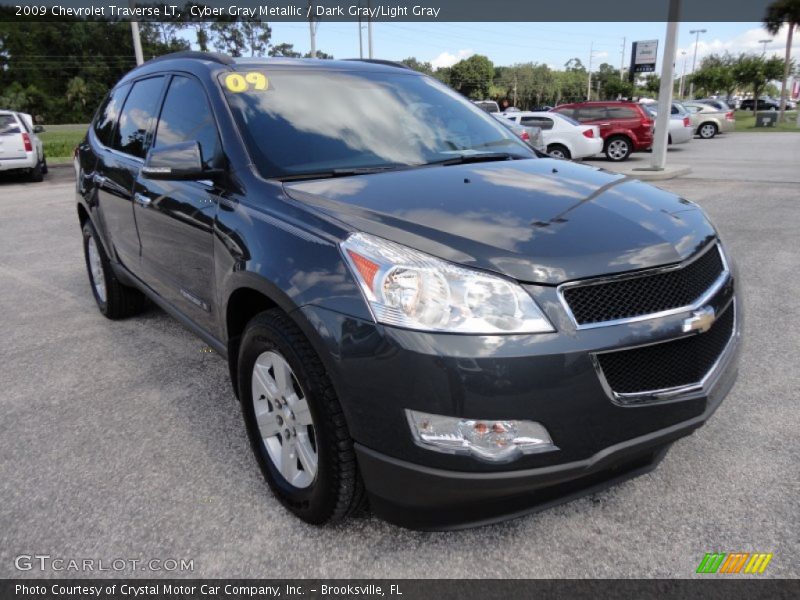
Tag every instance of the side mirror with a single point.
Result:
(182, 161)
(38, 129)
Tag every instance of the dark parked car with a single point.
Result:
(764, 103)
(418, 312)
(624, 126)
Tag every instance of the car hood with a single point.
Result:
(537, 220)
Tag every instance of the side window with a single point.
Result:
(186, 117)
(621, 112)
(106, 118)
(675, 110)
(592, 113)
(137, 114)
(542, 122)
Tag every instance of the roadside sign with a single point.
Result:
(643, 57)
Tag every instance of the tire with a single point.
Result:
(37, 174)
(319, 481)
(44, 165)
(618, 148)
(115, 301)
(707, 130)
(559, 151)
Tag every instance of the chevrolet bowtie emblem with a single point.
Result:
(700, 321)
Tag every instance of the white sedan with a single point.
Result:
(563, 137)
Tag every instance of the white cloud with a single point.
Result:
(747, 42)
(446, 59)
(601, 54)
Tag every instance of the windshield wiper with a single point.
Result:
(344, 172)
(464, 159)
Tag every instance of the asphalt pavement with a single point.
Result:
(123, 440)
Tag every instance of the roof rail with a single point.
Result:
(378, 61)
(217, 57)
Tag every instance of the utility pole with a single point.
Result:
(589, 82)
(622, 61)
(696, 33)
(360, 39)
(369, 30)
(515, 89)
(312, 28)
(765, 42)
(683, 75)
(137, 40)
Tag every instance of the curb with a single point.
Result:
(645, 174)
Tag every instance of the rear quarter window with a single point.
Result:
(107, 115)
(622, 112)
(9, 125)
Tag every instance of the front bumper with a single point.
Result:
(380, 371)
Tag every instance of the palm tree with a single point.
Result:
(778, 13)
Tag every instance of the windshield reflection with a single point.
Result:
(309, 121)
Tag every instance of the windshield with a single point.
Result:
(308, 121)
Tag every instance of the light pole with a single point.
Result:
(696, 33)
(683, 75)
(765, 42)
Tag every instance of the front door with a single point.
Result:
(176, 218)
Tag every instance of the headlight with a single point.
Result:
(494, 441)
(411, 289)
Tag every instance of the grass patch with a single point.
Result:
(60, 140)
(745, 121)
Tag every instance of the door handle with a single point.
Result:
(99, 180)
(604, 124)
(142, 200)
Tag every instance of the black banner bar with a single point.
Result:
(390, 11)
(711, 588)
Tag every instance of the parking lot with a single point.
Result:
(124, 439)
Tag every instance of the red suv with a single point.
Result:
(624, 126)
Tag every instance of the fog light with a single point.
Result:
(494, 441)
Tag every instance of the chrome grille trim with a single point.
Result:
(698, 303)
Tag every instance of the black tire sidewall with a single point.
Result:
(315, 502)
(564, 150)
(89, 232)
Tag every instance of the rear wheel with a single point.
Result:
(707, 130)
(44, 165)
(559, 151)
(37, 173)
(115, 301)
(295, 422)
(618, 148)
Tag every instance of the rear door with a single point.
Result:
(119, 165)
(11, 143)
(176, 218)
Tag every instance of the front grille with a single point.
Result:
(681, 362)
(644, 294)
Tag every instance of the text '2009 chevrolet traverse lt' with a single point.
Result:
(420, 313)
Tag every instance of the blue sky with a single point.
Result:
(509, 43)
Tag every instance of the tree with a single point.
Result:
(320, 54)
(755, 71)
(652, 83)
(422, 67)
(284, 49)
(228, 37)
(716, 74)
(778, 13)
(256, 35)
(473, 76)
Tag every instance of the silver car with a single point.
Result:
(681, 129)
(709, 120)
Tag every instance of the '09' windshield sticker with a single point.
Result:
(245, 82)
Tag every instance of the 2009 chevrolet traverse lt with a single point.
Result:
(418, 311)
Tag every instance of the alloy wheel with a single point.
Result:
(707, 131)
(284, 419)
(618, 149)
(96, 267)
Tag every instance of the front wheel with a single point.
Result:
(618, 148)
(295, 423)
(558, 151)
(707, 131)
